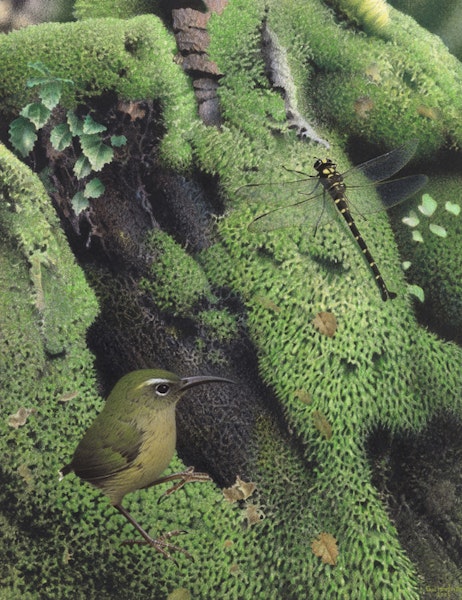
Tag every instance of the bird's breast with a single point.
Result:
(155, 453)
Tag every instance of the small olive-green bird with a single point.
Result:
(132, 441)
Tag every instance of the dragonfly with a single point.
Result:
(308, 211)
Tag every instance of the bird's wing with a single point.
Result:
(108, 447)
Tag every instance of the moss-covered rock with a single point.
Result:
(132, 59)
(380, 370)
(119, 9)
(176, 282)
(436, 265)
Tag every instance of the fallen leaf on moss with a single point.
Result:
(267, 303)
(325, 323)
(26, 474)
(253, 514)
(239, 491)
(68, 396)
(19, 418)
(325, 546)
(303, 396)
(322, 424)
(133, 109)
(179, 594)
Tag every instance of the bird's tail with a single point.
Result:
(64, 471)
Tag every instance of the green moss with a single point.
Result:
(380, 368)
(436, 262)
(133, 59)
(369, 86)
(58, 289)
(120, 9)
(218, 324)
(177, 283)
(372, 15)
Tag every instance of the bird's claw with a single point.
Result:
(187, 476)
(161, 545)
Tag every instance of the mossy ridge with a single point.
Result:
(381, 89)
(435, 263)
(379, 356)
(132, 59)
(177, 282)
(120, 9)
(59, 293)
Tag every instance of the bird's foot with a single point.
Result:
(187, 476)
(161, 544)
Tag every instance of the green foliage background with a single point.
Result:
(381, 368)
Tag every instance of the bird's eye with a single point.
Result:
(162, 389)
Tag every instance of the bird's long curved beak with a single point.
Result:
(189, 382)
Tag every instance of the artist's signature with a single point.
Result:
(443, 591)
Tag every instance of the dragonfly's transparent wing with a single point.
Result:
(280, 192)
(386, 165)
(310, 212)
(395, 191)
(391, 193)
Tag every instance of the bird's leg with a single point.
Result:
(160, 544)
(184, 477)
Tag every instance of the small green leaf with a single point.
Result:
(50, 93)
(34, 81)
(36, 112)
(90, 126)
(94, 188)
(118, 140)
(412, 220)
(428, 205)
(406, 264)
(79, 203)
(23, 135)
(61, 137)
(75, 124)
(96, 151)
(82, 167)
(417, 236)
(40, 67)
(453, 208)
(438, 230)
(417, 291)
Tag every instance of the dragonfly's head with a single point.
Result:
(324, 166)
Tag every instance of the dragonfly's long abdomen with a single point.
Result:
(343, 208)
(332, 182)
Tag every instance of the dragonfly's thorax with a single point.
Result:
(330, 178)
(325, 167)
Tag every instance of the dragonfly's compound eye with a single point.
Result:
(318, 164)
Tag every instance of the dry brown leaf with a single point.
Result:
(363, 106)
(68, 396)
(19, 418)
(325, 323)
(428, 111)
(26, 474)
(253, 514)
(239, 491)
(131, 108)
(267, 303)
(179, 594)
(303, 396)
(322, 424)
(325, 546)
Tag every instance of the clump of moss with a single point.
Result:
(176, 282)
(435, 262)
(132, 59)
(119, 9)
(218, 324)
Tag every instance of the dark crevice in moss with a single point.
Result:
(419, 478)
